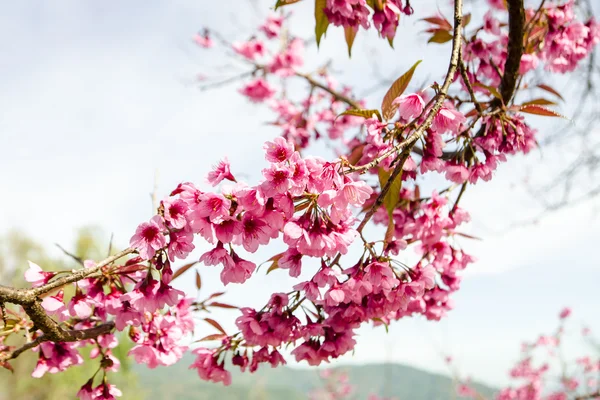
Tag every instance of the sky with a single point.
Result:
(99, 104)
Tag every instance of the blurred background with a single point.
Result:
(100, 107)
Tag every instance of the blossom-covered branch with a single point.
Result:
(316, 208)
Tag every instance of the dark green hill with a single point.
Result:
(392, 380)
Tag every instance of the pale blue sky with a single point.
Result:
(94, 101)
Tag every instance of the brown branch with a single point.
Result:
(337, 95)
(594, 395)
(79, 274)
(66, 336)
(29, 300)
(516, 32)
(397, 171)
(467, 81)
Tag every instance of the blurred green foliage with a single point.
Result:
(16, 249)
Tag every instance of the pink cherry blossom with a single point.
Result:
(258, 90)
(409, 106)
(219, 172)
(149, 238)
(36, 276)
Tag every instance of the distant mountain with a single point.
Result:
(391, 380)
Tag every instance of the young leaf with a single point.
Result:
(220, 305)
(397, 88)
(215, 336)
(198, 280)
(393, 195)
(273, 266)
(350, 34)
(281, 3)
(440, 36)
(218, 294)
(539, 110)
(466, 20)
(539, 102)
(183, 269)
(321, 21)
(443, 23)
(361, 113)
(493, 91)
(216, 325)
(356, 154)
(550, 90)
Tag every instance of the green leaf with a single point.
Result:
(493, 91)
(321, 21)
(393, 195)
(539, 110)
(376, 5)
(387, 328)
(398, 87)
(281, 3)
(440, 36)
(361, 113)
(349, 34)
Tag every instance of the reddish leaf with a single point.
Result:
(131, 268)
(183, 269)
(550, 90)
(273, 266)
(198, 280)
(472, 113)
(6, 365)
(397, 88)
(216, 325)
(356, 154)
(216, 336)
(467, 236)
(539, 110)
(350, 34)
(466, 19)
(539, 102)
(220, 305)
(212, 296)
(439, 21)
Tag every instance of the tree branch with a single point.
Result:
(66, 336)
(337, 95)
(79, 274)
(516, 32)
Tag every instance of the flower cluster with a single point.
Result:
(577, 377)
